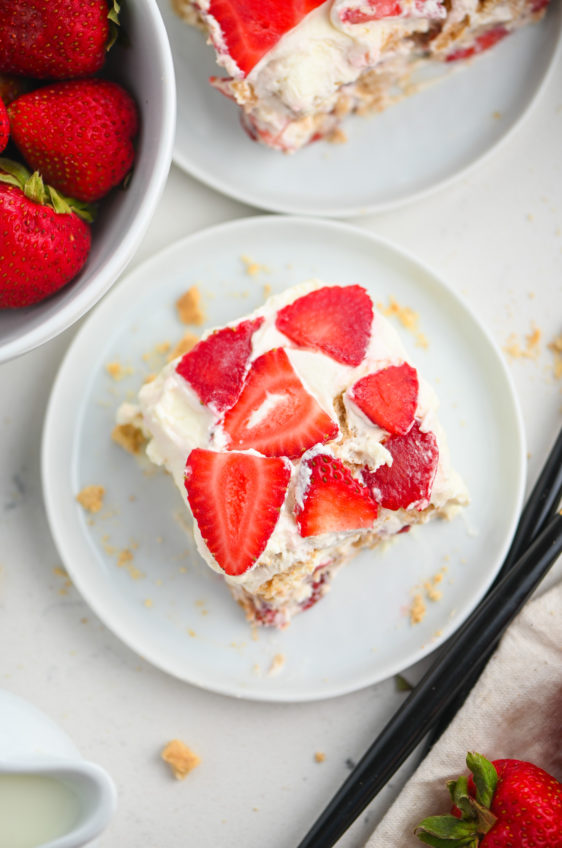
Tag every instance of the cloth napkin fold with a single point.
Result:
(515, 710)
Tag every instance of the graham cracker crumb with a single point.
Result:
(117, 371)
(180, 758)
(124, 557)
(129, 437)
(62, 573)
(417, 609)
(148, 602)
(319, 756)
(431, 592)
(125, 560)
(189, 310)
(266, 290)
(251, 267)
(531, 350)
(277, 664)
(185, 344)
(91, 498)
(337, 136)
(555, 346)
(407, 317)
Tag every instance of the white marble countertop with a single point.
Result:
(496, 236)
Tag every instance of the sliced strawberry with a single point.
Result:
(275, 414)
(335, 320)
(250, 28)
(216, 366)
(235, 499)
(407, 483)
(388, 397)
(334, 500)
(481, 43)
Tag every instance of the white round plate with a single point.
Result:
(389, 158)
(166, 603)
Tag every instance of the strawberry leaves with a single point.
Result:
(32, 185)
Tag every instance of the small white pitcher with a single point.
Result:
(36, 757)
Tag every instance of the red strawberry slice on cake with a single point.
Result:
(388, 397)
(334, 500)
(335, 320)
(216, 366)
(235, 499)
(364, 11)
(248, 29)
(407, 483)
(275, 414)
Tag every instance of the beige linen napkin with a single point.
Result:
(515, 710)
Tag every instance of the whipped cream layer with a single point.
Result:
(294, 93)
(175, 421)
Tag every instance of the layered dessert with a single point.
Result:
(297, 437)
(296, 69)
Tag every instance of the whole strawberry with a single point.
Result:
(504, 804)
(55, 39)
(4, 127)
(77, 134)
(43, 241)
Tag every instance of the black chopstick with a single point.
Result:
(541, 506)
(433, 693)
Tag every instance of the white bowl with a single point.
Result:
(146, 69)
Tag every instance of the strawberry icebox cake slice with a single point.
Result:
(297, 437)
(297, 67)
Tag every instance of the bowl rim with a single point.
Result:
(68, 315)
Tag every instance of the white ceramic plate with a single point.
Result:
(179, 615)
(390, 158)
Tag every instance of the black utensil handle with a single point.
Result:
(435, 690)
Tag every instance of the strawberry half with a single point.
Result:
(250, 28)
(275, 414)
(407, 483)
(335, 320)
(216, 366)
(334, 500)
(235, 499)
(388, 397)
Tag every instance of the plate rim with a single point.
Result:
(362, 210)
(154, 657)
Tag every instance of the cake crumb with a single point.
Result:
(63, 574)
(251, 267)
(180, 758)
(125, 560)
(129, 437)
(337, 136)
(267, 290)
(431, 592)
(148, 602)
(91, 498)
(319, 756)
(407, 317)
(189, 310)
(191, 633)
(117, 371)
(417, 609)
(277, 664)
(185, 344)
(555, 346)
(531, 350)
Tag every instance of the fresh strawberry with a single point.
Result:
(43, 242)
(216, 366)
(55, 39)
(481, 43)
(77, 134)
(334, 500)
(248, 29)
(388, 397)
(335, 320)
(11, 87)
(504, 804)
(4, 127)
(275, 414)
(407, 483)
(235, 499)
